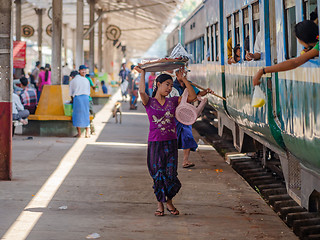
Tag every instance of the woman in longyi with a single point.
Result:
(162, 159)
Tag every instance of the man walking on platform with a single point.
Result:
(80, 91)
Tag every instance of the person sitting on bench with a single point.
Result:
(18, 111)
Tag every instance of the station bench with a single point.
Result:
(100, 99)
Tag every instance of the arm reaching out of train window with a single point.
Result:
(307, 35)
(286, 65)
(142, 86)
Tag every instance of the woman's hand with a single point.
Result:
(257, 77)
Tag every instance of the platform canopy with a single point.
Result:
(141, 21)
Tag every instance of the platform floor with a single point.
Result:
(104, 184)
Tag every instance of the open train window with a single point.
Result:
(246, 29)
(256, 19)
(290, 22)
(208, 44)
(229, 27)
(237, 28)
(310, 10)
(212, 42)
(216, 27)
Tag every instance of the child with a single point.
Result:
(162, 157)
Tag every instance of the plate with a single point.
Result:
(163, 66)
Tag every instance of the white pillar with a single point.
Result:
(39, 13)
(74, 46)
(56, 42)
(79, 46)
(18, 20)
(100, 63)
(65, 41)
(91, 37)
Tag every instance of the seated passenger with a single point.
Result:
(257, 49)
(229, 48)
(28, 96)
(104, 87)
(307, 34)
(236, 55)
(18, 111)
(314, 16)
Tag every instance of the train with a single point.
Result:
(287, 127)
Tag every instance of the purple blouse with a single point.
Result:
(161, 118)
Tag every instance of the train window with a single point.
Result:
(237, 28)
(290, 22)
(208, 44)
(310, 9)
(216, 26)
(229, 27)
(246, 29)
(212, 42)
(256, 19)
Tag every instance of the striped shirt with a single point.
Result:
(28, 97)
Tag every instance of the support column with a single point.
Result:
(79, 46)
(91, 37)
(100, 63)
(18, 71)
(65, 41)
(74, 46)
(39, 13)
(56, 42)
(18, 20)
(5, 89)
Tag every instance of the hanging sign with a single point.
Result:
(113, 32)
(19, 54)
(27, 31)
(49, 30)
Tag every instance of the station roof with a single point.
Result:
(141, 21)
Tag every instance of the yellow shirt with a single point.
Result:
(229, 48)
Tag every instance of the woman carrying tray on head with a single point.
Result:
(162, 159)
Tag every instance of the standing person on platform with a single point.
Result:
(79, 89)
(184, 132)
(124, 75)
(44, 78)
(152, 77)
(162, 157)
(92, 128)
(28, 96)
(34, 76)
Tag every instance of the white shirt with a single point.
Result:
(66, 71)
(257, 43)
(79, 86)
(16, 104)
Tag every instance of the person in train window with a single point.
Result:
(162, 156)
(229, 48)
(314, 16)
(257, 49)
(236, 55)
(307, 34)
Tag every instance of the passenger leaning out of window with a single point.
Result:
(236, 55)
(307, 34)
(257, 49)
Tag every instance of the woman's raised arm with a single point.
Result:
(142, 86)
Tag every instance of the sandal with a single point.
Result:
(159, 213)
(188, 165)
(174, 211)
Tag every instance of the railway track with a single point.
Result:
(266, 180)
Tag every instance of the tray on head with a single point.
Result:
(162, 66)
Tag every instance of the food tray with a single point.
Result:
(162, 66)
